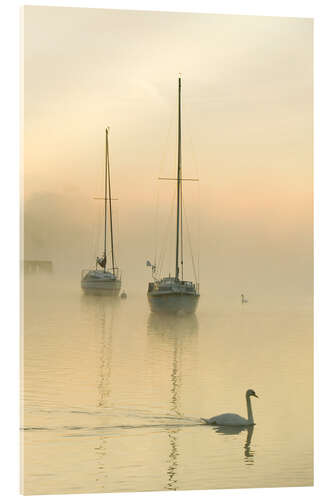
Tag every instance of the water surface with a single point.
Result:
(113, 395)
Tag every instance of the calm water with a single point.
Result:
(113, 395)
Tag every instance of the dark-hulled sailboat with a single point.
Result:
(173, 294)
(103, 280)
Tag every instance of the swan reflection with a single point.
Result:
(233, 430)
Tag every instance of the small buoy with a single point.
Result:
(123, 295)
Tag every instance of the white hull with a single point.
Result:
(173, 303)
(95, 282)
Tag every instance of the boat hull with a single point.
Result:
(101, 287)
(173, 303)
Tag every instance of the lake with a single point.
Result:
(113, 395)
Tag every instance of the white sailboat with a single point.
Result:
(103, 280)
(173, 294)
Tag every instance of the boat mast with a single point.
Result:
(179, 178)
(105, 198)
(109, 186)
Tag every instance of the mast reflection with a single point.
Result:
(176, 336)
(102, 313)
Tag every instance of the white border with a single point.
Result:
(9, 156)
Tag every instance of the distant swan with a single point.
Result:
(233, 418)
(244, 301)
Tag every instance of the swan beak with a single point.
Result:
(256, 396)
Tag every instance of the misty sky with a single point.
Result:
(247, 134)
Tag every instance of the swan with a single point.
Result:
(233, 418)
(244, 301)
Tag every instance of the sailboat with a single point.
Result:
(103, 280)
(172, 294)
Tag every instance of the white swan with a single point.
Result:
(233, 418)
(244, 301)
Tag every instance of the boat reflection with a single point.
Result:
(101, 313)
(233, 430)
(91, 302)
(170, 326)
(176, 336)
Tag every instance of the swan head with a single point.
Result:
(250, 392)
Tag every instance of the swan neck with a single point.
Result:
(249, 410)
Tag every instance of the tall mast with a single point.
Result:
(105, 196)
(109, 186)
(179, 176)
